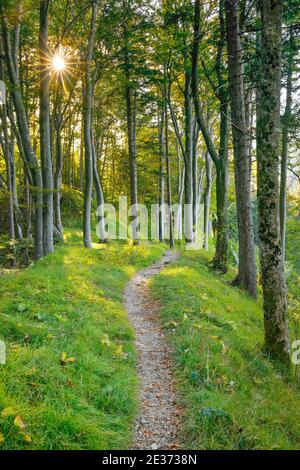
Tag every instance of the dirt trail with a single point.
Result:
(158, 422)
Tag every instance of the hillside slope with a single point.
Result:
(234, 397)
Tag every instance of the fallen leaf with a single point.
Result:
(2, 438)
(105, 340)
(27, 438)
(19, 423)
(66, 360)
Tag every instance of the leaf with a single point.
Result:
(2, 438)
(9, 411)
(64, 359)
(71, 360)
(27, 438)
(19, 423)
(105, 340)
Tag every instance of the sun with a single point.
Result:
(59, 63)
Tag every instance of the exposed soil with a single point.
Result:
(158, 422)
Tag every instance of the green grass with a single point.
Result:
(233, 396)
(70, 302)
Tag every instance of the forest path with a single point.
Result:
(159, 417)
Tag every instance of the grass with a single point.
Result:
(233, 396)
(70, 381)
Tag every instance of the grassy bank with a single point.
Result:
(70, 381)
(234, 397)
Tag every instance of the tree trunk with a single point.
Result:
(45, 136)
(195, 174)
(207, 195)
(7, 158)
(168, 168)
(285, 146)
(220, 260)
(17, 213)
(161, 177)
(32, 164)
(268, 149)
(87, 126)
(58, 180)
(99, 195)
(220, 158)
(247, 264)
(131, 137)
(188, 209)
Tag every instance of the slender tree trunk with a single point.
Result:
(45, 136)
(189, 232)
(17, 213)
(99, 194)
(131, 136)
(7, 157)
(247, 264)
(31, 160)
(168, 168)
(195, 174)
(87, 125)
(268, 149)
(220, 260)
(285, 148)
(207, 195)
(58, 180)
(161, 177)
(220, 158)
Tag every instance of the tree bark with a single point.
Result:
(268, 149)
(220, 156)
(45, 137)
(207, 195)
(168, 168)
(99, 194)
(285, 146)
(130, 96)
(7, 158)
(247, 264)
(161, 176)
(87, 126)
(188, 181)
(32, 164)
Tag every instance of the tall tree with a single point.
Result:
(45, 137)
(131, 110)
(220, 155)
(268, 150)
(286, 122)
(246, 277)
(33, 169)
(87, 126)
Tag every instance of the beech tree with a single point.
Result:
(268, 151)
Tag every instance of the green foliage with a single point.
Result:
(233, 396)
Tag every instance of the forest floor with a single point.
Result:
(71, 382)
(158, 423)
